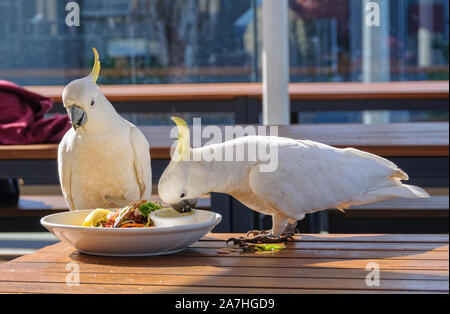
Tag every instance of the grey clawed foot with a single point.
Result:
(290, 231)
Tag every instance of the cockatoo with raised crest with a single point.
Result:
(103, 160)
(309, 177)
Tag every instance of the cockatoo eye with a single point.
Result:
(92, 103)
(182, 195)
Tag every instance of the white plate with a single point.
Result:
(128, 241)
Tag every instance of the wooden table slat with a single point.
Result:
(225, 281)
(313, 263)
(307, 253)
(24, 287)
(291, 272)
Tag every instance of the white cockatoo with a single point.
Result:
(309, 177)
(103, 160)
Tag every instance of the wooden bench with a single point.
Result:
(398, 215)
(439, 204)
(243, 100)
(297, 91)
(390, 140)
(428, 141)
(421, 149)
(41, 205)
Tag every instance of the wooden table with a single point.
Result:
(316, 263)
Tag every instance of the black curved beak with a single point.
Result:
(78, 116)
(185, 205)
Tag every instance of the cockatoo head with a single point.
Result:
(178, 186)
(84, 101)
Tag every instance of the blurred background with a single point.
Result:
(379, 88)
(219, 41)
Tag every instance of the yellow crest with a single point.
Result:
(183, 146)
(96, 68)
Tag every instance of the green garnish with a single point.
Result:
(146, 208)
(264, 247)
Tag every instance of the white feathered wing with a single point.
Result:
(312, 176)
(64, 169)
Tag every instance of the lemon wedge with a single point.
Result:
(95, 217)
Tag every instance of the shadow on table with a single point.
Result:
(210, 267)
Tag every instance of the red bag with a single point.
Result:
(22, 117)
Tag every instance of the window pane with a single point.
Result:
(188, 41)
(330, 40)
(139, 41)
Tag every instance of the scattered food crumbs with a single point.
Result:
(264, 248)
(249, 247)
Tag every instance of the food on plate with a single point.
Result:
(96, 218)
(168, 217)
(135, 215)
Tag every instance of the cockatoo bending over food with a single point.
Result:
(310, 177)
(103, 160)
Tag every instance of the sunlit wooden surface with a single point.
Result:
(311, 264)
